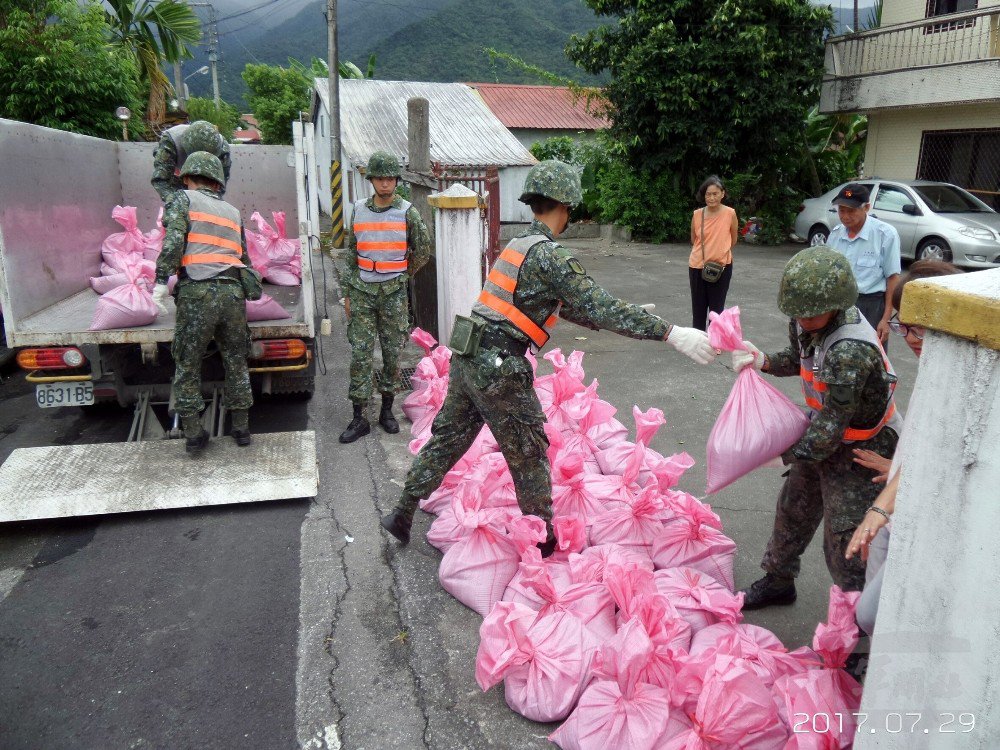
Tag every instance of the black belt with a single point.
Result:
(495, 338)
(872, 294)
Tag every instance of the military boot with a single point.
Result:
(769, 590)
(241, 427)
(358, 427)
(196, 436)
(398, 522)
(385, 417)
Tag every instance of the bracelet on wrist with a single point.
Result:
(880, 511)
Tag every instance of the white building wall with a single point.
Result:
(893, 148)
(903, 11)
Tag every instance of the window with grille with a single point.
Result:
(967, 158)
(946, 7)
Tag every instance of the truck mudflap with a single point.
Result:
(85, 480)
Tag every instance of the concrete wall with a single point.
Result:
(893, 148)
(902, 11)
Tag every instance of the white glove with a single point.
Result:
(693, 343)
(752, 357)
(160, 294)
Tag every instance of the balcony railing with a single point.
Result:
(965, 37)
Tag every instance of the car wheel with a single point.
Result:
(818, 235)
(934, 248)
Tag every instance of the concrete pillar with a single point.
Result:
(459, 239)
(935, 661)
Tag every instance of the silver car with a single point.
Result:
(934, 220)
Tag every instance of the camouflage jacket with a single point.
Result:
(418, 241)
(175, 218)
(164, 181)
(550, 274)
(857, 380)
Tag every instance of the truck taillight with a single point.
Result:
(55, 358)
(278, 349)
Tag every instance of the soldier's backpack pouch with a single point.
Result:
(466, 335)
(251, 283)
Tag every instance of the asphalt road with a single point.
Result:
(297, 623)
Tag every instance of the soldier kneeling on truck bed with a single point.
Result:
(206, 247)
(176, 145)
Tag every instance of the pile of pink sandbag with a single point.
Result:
(128, 272)
(630, 632)
(275, 256)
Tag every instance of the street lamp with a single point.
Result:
(201, 71)
(123, 114)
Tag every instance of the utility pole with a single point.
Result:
(213, 54)
(333, 94)
(179, 86)
(857, 22)
(423, 284)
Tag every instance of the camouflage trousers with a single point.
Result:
(502, 396)
(383, 314)
(835, 492)
(206, 310)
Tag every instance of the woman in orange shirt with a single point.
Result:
(714, 230)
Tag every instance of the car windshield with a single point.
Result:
(948, 199)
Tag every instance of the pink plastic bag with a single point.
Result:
(125, 306)
(758, 422)
(636, 522)
(758, 647)
(594, 562)
(619, 709)
(277, 258)
(265, 308)
(699, 598)
(153, 240)
(687, 542)
(122, 246)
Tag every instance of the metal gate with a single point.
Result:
(484, 180)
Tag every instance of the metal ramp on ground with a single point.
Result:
(84, 480)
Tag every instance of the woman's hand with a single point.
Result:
(872, 460)
(864, 534)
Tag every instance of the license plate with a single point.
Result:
(51, 395)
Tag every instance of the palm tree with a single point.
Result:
(154, 32)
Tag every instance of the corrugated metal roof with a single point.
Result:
(463, 129)
(541, 107)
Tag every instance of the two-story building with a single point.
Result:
(929, 80)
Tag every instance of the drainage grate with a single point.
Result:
(405, 374)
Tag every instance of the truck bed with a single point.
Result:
(65, 323)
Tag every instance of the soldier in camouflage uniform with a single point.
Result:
(386, 244)
(533, 280)
(179, 142)
(848, 383)
(206, 246)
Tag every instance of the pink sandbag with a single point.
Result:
(687, 542)
(619, 709)
(635, 593)
(440, 500)
(424, 340)
(152, 241)
(635, 522)
(666, 471)
(572, 493)
(453, 524)
(125, 306)
(734, 710)
(594, 562)
(757, 423)
(757, 646)
(477, 569)
(280, 261)
(699, 598)
(120, 246)
(614, 459)
(265, 308)
(544, 668)
(571, 536)
(685, 505)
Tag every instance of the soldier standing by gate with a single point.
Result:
(387, 243)
(848, 384)
(179, 142)
(206, 246)
(534, 281)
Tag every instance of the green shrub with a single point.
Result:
(650, 204)
(226, 118)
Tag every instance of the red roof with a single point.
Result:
(541, 107)
(250, 120)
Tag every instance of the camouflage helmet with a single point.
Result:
(382, 164)
(553, 179)
(201, 135)
(204, 164)
(817, 280)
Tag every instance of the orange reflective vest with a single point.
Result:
(381, 238)
(214, 238)
(496, 301)
(815, 389)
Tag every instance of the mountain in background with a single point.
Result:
(420, 40)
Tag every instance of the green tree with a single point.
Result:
(276, 96)
(154, 32)
(226, 117)
(57, 70)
